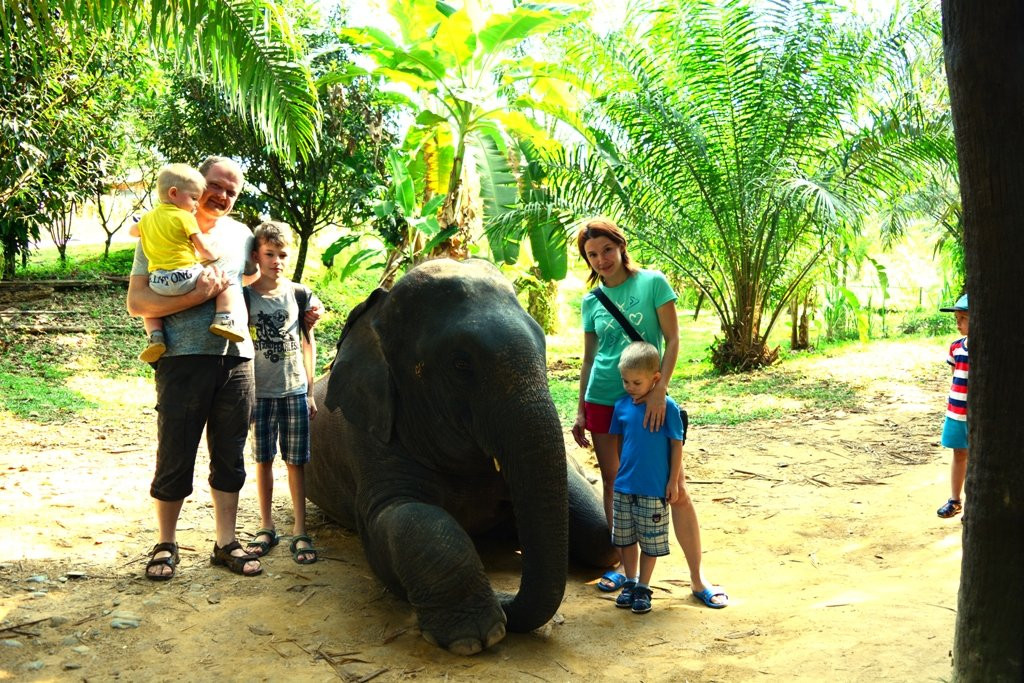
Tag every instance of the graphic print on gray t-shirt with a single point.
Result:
(274, 326)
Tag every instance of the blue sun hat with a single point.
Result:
(960, 305)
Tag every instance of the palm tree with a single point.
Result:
(246, 46)
(743, 144)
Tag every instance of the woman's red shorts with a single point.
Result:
(599, 417)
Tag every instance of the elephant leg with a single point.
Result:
(423, 552)
(589, 536)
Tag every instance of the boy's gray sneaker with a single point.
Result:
(641, 600)
(625, 598)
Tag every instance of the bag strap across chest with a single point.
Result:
(617, 314)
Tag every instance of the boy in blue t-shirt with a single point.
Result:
(648, 477)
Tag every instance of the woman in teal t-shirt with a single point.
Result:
(647, 301)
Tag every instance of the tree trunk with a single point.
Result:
(984, 49)
(794, 323)
(805, 323)
(10, 256)
(300, 259)
(542, 302)
(743, 348)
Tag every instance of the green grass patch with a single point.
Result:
(32, 386)
(565, 394)
(339, 298)
(736, 399)
(83, 263)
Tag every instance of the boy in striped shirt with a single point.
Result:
(954, 431)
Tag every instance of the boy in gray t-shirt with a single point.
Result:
(283, 370)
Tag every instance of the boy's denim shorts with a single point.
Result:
(954, 433)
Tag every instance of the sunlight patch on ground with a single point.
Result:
(938, 482)
(753, 403)
(851, 548)
(121, 393)
(952, 540)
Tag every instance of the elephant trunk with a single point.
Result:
(536, 475)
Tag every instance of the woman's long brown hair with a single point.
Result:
(602, 227)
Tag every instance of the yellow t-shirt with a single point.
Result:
(165, 233)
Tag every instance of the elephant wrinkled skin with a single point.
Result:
(439, 425)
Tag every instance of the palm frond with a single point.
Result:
(247, 46)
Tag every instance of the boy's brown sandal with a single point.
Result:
(236, 563)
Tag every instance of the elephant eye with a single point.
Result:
(461, 362)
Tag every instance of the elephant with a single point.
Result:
(439, 425)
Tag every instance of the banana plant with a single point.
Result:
(418, 233)
(470, 88)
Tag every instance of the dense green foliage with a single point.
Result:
(63, 103)
(247, 46)
(759, 153)
(334, 185)
(73, 75)
(472, 89)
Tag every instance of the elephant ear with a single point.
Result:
(360, 382)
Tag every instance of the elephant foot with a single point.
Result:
(467, 644)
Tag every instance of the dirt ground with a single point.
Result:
(821, 526)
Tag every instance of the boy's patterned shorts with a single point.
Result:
(642, 519)
(287, 417)
(175, 282)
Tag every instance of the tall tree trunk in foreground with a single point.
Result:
(984, 48)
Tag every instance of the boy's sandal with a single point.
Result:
(709, 593)
(171, 561)
(952, 508)
(236, 563)
(611, 581)
(296, 551)
(261, 548)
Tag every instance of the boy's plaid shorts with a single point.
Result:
(642, 519)
(287, 418)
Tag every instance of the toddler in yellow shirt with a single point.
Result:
(176, 250)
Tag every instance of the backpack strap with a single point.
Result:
(302, 296)
(617, 314)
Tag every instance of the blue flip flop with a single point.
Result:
(709, 593)
(614, 579)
